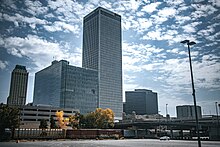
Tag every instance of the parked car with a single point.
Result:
(165, 138)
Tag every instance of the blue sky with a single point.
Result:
(34, 33)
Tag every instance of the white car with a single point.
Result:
(165, 138)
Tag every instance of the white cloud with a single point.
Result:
(180, 37)
(150, 7)
(202, 10)
(135, 4)
(71, 11)
(173, 72)
(151, 66)
(214, 37)
(15, 52)
(174, 2)
(9, 3)
(140, 14)
(35, 7)
(215, 3)
(130, 22)
(1, 41)
(144, 24)
(39, 50)
(205, 8)
(131, 5)
(182, 19)
(17, 19)
(206, 32)
(3, 64)
(158, 19)
(139, 57)
(175, 50)
(62, 26)
(176, 72)
(153, 35)
(209, 70)
(105, 4)
(167, 12)
(159, 35)
(188, 28)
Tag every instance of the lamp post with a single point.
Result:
(193, 89)
(219, 106)
(166, 113)
(216, 106)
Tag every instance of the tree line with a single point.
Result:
(99, 119)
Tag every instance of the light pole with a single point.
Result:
(216, 106)
(193, 89)
(219, 107)
(166, 113)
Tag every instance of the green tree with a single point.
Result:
(104, 118)
(73, 122)
(52, 123)
(100, 119)
(9, 118)
(43, 124)
(89, 121)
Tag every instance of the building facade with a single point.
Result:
(66, 86)
(102, 51)
(18, 86)
(141, 101)
(30, 116)
(188, 112)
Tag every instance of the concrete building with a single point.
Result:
(102, 51)
(188, 112)
(65, 86)
(18, 86)
(31, 116)
(141, 101)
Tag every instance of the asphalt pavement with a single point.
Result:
(110, 143)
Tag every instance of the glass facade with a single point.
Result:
(66, 86)
(47, 85)
(102, 50)
(142, 101)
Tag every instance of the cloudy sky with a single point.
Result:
(34, 33)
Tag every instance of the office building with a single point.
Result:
(18, 86)
(102, 51)
(141, 101)
(188, 112)
(66, 86)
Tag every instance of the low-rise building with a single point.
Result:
(30, 116)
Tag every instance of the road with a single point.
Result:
(111, 143)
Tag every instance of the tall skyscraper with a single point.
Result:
(142, 101)
(65, 86)
(18, 87)
(102, 51)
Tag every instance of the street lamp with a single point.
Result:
(216, 103)
(193, 89)
(166, 113)
(219, 107)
